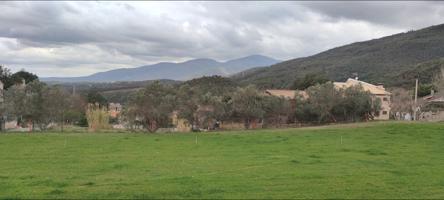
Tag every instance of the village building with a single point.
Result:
(431, 108)
(287, 94)
(180, 124)
(377, 91)
(114, 109)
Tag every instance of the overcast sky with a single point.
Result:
(80, 38)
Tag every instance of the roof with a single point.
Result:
(435, 99)
(289, 94)
(373, 89)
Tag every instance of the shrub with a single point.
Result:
(97, 117)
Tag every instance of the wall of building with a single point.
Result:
(384, 113)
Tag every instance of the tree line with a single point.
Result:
(217, 99)
(34, 104)
(204, 103)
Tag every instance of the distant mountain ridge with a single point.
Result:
(174, 71)
(393, 60)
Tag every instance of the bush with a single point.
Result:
(425, 89)
(327, 104)
(98, 118)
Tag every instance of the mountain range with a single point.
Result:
(393, 61)
(173, 71)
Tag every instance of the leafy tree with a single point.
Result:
(153, 105)
(323, 99)
(28, 103)
(425, 89)
(188, 103)
(59, 104)
(276, 108)
(93, 96)
(202, 103)
(247, 103)
(304, 110)
(9, 79)
(76, 112)
(356, 105)
(211, 109)
(216, 85)
(5, 77)
(40, 105)
(21, 75)
(15, 103)
(325, 103)
(36, 110)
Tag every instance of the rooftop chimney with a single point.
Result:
(355, 74)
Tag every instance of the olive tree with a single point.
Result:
(325, 103)
(276, 108)
(248, 104)
(153, 105)
(27, 104)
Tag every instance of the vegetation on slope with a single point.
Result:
(374, 61)
(426, 72)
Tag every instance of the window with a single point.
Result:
(384, 112)
(385, 99)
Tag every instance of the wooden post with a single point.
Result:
(416, 100)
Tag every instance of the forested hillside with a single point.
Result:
(394, 60)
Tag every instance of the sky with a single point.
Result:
(81, 38)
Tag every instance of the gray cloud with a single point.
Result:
(395, 14)
(79, 38)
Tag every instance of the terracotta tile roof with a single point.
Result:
(437, 99)
(282, 93)
(289, 94)
(373, 89)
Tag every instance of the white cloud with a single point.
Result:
(80, 38)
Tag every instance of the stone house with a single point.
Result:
(432, 108)
(114, 109)
(377, 91)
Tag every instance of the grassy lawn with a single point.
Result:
(373, 160)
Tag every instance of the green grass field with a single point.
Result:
(373, 160)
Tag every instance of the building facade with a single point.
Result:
(377, 91)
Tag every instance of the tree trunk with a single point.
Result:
(63, 122)
(152, 126)
(247, 123)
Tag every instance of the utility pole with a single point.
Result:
(416, 100)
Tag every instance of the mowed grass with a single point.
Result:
(372, 160)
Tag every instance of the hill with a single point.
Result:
(380, 61)
(173, 71)
(113, 91)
